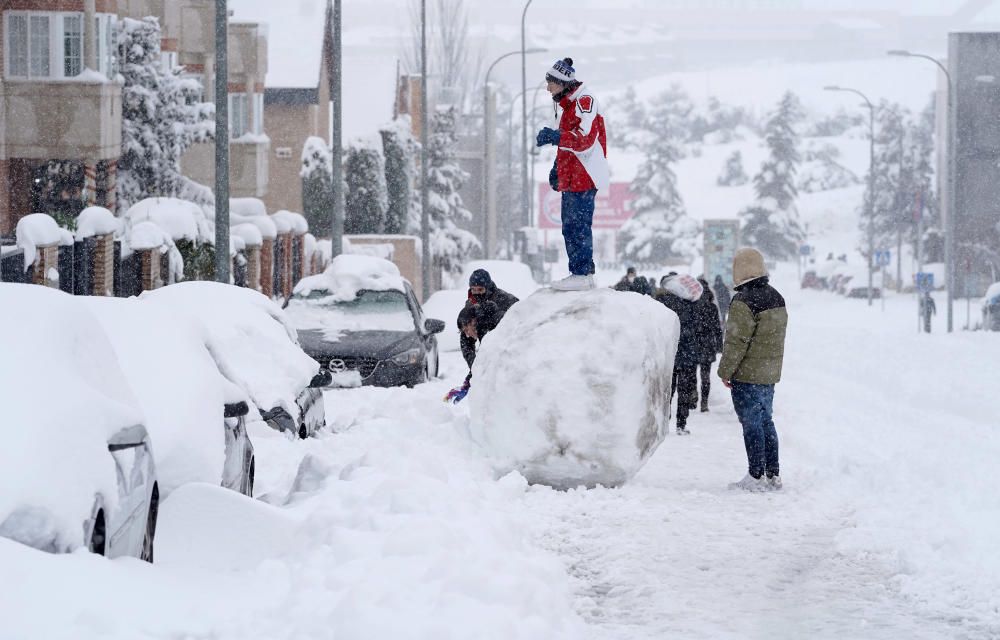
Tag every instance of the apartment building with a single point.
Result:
(57, 103)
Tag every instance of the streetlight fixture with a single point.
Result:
(949, 223)
(525, 219)
(871, 181)
(489, 206)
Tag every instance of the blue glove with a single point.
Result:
(546, 136)
(554, 178)
(455, 395)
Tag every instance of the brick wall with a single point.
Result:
(253, 268)
(267, 268)
(46, 258)
(150, 269)
(104, 265)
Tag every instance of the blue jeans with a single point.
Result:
(753, 404)
(577, 216)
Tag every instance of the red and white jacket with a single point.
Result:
(582, 159)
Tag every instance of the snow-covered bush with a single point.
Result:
(821, 170)
(733, 174)
(317, 185)
(400, 150)
(366, 198)
(162, 116)
(543, 405)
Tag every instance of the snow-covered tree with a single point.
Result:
(822, 171)
(317, 186)
(733, 174)
(398, 147)
(162, 115)
(366, 199)
(629, 116)
(772, 224)
(451, 246)
(660, 231)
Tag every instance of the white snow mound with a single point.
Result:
(573, 389)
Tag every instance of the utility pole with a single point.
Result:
(336, 136)
(222, 261)
(525, 186)
(425, 221)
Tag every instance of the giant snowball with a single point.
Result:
(573, 388)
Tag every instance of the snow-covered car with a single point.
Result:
(194, 414)
(991, 308)
(76, 464)
(257, 349)
(361, 321)
(853, 283)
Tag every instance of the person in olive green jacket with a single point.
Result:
(751, 365)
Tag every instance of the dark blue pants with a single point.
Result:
(577, 216)
(753, 404)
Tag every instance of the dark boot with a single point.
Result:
(704, 404)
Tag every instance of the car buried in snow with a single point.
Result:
(361, 321)
(257, 350)
(76, 465)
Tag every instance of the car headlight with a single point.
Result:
(410, 356)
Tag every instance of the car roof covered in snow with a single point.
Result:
(253, 343)
(63, 397)
(348, 274)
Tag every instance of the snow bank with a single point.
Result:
(36, 230)
(250, 234)
(573, 389)
(182, 220)
(251, 339)
(63, 395)
(247, 207)
(96, 221)
(348, 274)
(177, 383)
(296, 222)
(147, 235)
(513, 277)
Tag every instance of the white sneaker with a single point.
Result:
(750, 483)
(574, 283)
(774, 482)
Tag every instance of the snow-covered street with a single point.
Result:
(393, 526)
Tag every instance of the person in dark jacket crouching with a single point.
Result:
(751, 363)
(485, 307)
(678, 293)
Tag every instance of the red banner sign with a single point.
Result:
(611, 209)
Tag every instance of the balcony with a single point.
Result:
(61, 119)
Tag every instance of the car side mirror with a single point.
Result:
(322, 379)
(433, 326)
(235, 409)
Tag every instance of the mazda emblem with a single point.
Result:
(337, 365)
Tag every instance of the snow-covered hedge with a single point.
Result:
(37, 230)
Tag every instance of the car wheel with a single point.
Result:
(99, 535)
(150, 534)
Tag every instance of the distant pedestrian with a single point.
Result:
(627, 283)
(580, 169)
(708, 331)
(751, 364)
(927, 309)
(678, 293)
(722, 297)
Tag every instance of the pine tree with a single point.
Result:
(890, 200)
(660, 231)
(317, 186)
(399, 170)
(451, 246)
(733, 174)
(772, 223)
(161, 117)
(366, 199)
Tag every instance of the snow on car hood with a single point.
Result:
(250, 338)
(63, 396)
(178, 383)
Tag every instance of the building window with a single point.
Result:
(238, 114)
(72, 46)
(48, 44)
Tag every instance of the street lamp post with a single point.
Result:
(489, 206)
(336, 132)
(525, 219)
(949, 222)
(871, 182)
(425, 221)
(222, 260)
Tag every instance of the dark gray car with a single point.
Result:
(382, 335)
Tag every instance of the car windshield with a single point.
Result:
(368, 311)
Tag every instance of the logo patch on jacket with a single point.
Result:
(586, 103)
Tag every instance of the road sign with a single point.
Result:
(722, 238)
(925, 281)
(883, 257)
(805, 250)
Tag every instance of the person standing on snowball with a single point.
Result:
(580, 169)
(752, 356)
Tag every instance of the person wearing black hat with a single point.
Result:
(580, 169)
(484, 308)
